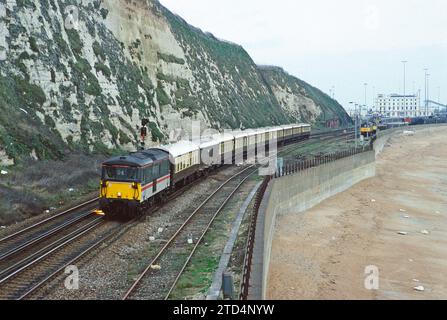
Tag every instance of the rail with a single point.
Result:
(293, 166)
(245, 282)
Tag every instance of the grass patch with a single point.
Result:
(98, 50)
(33, 44)
(100, 67)
(34, 186)
(75, 41)
(163, 98)
(170, 58)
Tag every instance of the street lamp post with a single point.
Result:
(355, 122)
(374, 99)
(426, 102)
(405, 98)
(428, 93)
(366, 86)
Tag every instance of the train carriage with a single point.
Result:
(306, 130)
(296, 131)
(288, 134)
(209, 151)
(185, 160)
(131, 183)
(226, 147)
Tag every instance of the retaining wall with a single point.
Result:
(299, 192)
(303, 190)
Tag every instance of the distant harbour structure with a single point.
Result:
(398, 105)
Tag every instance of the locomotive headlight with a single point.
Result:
(119, 194)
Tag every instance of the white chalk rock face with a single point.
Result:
(112, 63)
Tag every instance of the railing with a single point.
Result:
(289, 167)
(293, 166)
(245, 282)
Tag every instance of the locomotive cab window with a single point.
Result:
(164, 168)
(148, 177)
(156, 171)
(120, 173)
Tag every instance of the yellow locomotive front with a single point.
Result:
(130, 183)
(120, 189)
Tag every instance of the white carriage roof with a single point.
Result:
(206, 142)
(184, 146)
(223, 137)
(180, 148)
(244, 133)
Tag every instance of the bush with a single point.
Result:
(157, 135)
(170, 58)
(75, 41)
(33, 44)
(104, 69)
(163, 98)
(104, 13)
(99, 52)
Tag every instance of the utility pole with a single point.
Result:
(366, 86)
(425, 99)
(355, 122)
(428, 92)
(405, 98)
(374, 99)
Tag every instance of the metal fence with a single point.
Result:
(287, 168)
(293, 166)
(245, 282)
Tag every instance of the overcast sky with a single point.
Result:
(342, 43)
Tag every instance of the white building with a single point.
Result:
(396, 105)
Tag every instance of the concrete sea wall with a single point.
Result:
(296, 193)
(299, 192)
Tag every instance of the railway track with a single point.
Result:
(111, 232)
(37, 230)
(12, 259)
(74, 254)
(324, 137)
(30, 271)
(160, 276)
(50, 226)
(33, 256)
